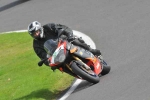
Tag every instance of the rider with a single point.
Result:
(41, 34)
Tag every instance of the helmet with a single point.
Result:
(35, 27)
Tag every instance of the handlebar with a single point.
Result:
(40, 63)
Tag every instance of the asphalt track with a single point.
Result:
(119, 28)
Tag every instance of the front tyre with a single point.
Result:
(86, 74)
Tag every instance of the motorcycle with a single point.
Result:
(74, 60)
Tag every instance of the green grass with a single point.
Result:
(20, 76)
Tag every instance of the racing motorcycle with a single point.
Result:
(74, 60)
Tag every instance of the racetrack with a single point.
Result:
(119, 28)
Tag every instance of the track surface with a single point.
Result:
(119, 28)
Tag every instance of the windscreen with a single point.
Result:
(50, 46)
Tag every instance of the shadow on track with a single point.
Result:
(12, 4)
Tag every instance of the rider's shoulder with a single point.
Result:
(49, 25)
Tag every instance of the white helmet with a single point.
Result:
(33, 27)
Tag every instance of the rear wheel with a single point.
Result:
(85, 73)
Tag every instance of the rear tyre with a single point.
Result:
(88, 75)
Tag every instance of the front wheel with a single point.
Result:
(86, 74)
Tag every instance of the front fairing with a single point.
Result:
(59, 56)
(57, 51)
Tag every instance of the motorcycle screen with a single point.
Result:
(50, 46)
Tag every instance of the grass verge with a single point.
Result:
(20, 77)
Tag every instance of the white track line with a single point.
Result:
(72, 88)
(87, 39)
(13, 31)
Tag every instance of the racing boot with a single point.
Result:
(95, 52)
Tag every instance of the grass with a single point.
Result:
(20, 76)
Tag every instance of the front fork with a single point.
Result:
(80, 62)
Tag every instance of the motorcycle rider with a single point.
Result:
(41, 34)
